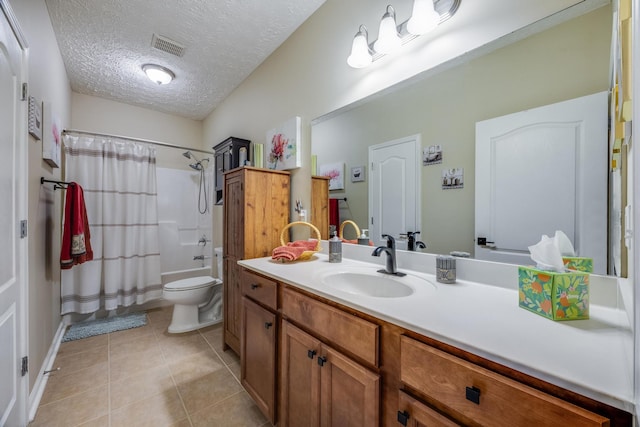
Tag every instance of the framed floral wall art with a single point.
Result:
(335, 172)
(283, 146)
(51, 137)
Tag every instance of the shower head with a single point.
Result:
(187, 154)
(196, 166)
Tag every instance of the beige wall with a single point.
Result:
(47, 82)
(93, 114)
(308, 75)
(564, 62)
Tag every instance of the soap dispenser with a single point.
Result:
(363, 239)
(335, 248)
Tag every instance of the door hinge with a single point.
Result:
(25, 365)
(23, 228)
(25, 91)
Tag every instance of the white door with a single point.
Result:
(13, 165)
(394, 189)
(542, 170)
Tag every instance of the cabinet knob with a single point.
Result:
(403, 417)
(473, 395)
(267, 325)
(311, 354)
(322, 361)
(254, 286)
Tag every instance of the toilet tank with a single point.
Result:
(218, 253)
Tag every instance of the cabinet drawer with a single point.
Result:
(413, 413)
(260, 289)
(356, 335)
(499, 401)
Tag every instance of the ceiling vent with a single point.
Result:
(167, 45)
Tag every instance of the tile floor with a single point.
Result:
(147, 377)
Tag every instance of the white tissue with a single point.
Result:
(564, 244)
(547, 254)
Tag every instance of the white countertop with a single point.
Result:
(592, 357)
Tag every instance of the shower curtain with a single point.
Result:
(119, 182)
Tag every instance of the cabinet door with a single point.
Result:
(232, 304)
(413, 413)
(350, 393)
(258, 356)
(234, 211)
(300, 378)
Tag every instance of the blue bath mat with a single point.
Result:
(104, 326)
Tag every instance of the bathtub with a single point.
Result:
(171, 276)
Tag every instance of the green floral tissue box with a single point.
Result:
(556, 296)
(578, 263)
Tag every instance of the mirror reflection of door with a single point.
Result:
(394, 189)
(542, 170)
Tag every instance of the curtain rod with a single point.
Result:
(146, 141)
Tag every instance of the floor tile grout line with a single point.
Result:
(175, 384)
(226, 365)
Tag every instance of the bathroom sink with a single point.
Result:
(369, 282)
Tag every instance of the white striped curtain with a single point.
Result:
(119, 182)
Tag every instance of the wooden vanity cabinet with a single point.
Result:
(472, 394)
(320, 385)
(256, 209)
(323, 387)
(259, 341)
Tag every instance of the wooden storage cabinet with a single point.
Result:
(256, 209)
(473, 394)
(322, 387)
(320, 204)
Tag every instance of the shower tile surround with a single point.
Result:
(146, 376)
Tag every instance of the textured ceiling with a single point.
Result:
(105, 42)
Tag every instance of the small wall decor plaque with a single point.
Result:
(452, 178)
(432, 155)
(357, 174)
(35, 118)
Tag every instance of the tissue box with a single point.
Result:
(578, 264)
(556, 296)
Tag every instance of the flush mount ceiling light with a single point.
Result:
(158, 74)
(426, 16)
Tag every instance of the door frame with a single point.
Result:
(416, 139)
(22, 188)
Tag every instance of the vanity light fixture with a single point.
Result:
(360, 54)
(388, 37)
(426, 16)
(158, 74)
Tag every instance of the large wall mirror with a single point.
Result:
(565, 61)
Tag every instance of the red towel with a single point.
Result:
(292, 250)
(76, 245)
(334, 213)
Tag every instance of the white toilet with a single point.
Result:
(197, 300)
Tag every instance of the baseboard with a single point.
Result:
(41, 382)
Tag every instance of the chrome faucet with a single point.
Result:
(203, 240)
(390, 249)
(412, 243)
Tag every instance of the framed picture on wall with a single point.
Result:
(283, 146)
(335, 173)
(51, 137)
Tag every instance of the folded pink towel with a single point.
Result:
(292, 250)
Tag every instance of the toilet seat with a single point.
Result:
(191, 283)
